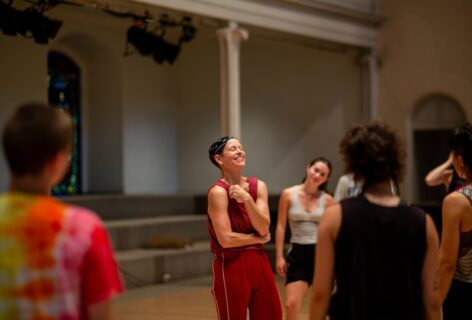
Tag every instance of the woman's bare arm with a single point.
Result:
(440, 175)
(282, 214)
(453, 206)
(324, 268)
(218, 212)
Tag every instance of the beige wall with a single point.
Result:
(147, 127)
(22, 79)
(296, 103)
(425, 48)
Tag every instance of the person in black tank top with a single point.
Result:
(455, 263)
(381, 252)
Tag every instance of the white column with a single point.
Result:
(230, 39)
(370, 85)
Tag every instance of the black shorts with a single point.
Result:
(300, 263)
(456, 306)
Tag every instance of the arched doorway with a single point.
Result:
(64, 92)
(432, 119)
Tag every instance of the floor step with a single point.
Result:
(132, 233)
(110, 207)
(144, 267)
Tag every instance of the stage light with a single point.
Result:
(188, 30)
(141, 40)
(147, 42)
(159, 51)
(9, 18)
(165, 51)
(29, 23)
(171, 52)
(42, 28)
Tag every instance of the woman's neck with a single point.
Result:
(382, 193)
(232, 177)
(309, 189)
(31, 185)
(380, 188)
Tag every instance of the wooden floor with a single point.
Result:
(191, 300)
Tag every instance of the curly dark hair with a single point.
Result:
(373, 153)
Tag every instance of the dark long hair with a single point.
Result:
(460, 143)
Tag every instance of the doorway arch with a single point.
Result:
(432, 119)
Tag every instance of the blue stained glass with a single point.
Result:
(60, 85)
(64, 92)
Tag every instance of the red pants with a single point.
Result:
(244, 280)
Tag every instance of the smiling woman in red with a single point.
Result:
(238, 221)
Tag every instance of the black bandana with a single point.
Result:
(217, 148)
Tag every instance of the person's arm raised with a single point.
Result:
(440, 175)
(218, 212)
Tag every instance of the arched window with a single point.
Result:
(432, 120)
(64, 92)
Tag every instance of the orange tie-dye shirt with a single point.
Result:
(55, 259)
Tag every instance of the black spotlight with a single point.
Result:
(141, 40)
(165, 51)
(159, 50)
(171, 52)
(9, 19)
(42, 28)
(188, 30)
(147, 42)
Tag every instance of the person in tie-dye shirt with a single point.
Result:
(56, 261)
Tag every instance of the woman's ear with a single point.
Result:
(218, 159)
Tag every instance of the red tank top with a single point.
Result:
(238, 217)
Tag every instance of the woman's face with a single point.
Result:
(233, 154)
(318, 173)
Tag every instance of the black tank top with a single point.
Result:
(378, 262)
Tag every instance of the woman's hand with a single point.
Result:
(238, 193)
(265, 238)
(281, 266)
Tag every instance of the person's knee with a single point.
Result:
(292, 304)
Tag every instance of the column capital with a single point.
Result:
(234, 31)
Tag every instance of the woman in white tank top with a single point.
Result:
(302, 205)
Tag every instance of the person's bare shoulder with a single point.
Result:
(331, 220)
(456, 200)
(216, 195)
(454, 205)
(329, 200)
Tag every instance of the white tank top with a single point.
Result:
(304, 224)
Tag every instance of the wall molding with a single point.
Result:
(320, 22)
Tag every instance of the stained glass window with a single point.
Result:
(64, 92)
